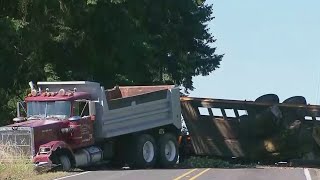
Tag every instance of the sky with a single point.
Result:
(270, 47)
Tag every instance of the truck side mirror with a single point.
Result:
(19, 118)
(21, 105)
(92, 110)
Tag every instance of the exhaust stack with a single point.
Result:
(31, 85)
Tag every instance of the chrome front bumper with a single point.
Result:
(44, 166)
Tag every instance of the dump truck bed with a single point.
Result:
(132, 109)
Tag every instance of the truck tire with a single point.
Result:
(168, 150)
(145, 153)
(65, 162)
(268, 98)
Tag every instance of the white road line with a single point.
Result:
(73, 175)
(307, 174)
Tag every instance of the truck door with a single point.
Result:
(82, 125)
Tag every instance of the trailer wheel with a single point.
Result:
(145, 154)
(168, 150)
(65, 162)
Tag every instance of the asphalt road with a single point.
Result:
(259, 173)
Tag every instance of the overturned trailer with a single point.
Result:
(256, 130)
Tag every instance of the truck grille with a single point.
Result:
(16, 140)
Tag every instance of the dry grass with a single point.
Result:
(15, 166)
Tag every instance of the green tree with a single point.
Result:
(110, 41)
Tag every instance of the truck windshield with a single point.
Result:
(52, 109)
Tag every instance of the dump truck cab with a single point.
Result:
(55, 117)
(67, 109)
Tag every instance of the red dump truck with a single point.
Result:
(79, 123)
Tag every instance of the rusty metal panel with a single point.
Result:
(243, 127)
(211, 135)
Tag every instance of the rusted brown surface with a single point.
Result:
(231, 133)
(128, 91)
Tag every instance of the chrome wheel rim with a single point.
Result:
(170, 151)
(148, 151)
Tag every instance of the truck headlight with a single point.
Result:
(44, 150)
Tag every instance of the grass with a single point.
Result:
(15, 166)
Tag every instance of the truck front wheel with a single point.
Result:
(65, 162)
(168, 150)
(145, 154)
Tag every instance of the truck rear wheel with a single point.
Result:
(145, 154)
(65, 162)
(168, 150)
